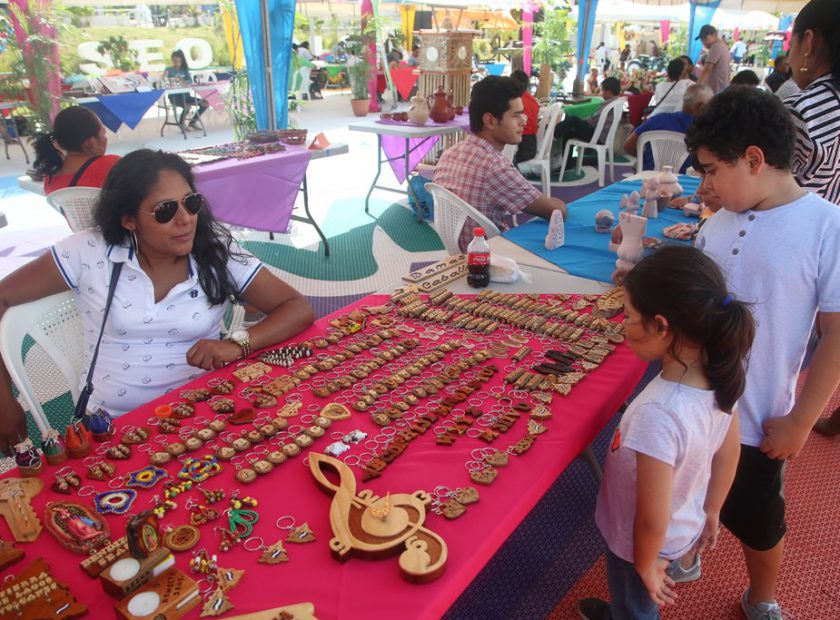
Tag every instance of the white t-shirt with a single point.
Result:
(144, 346)
(785, 262)
(671, 102)
(678, 425)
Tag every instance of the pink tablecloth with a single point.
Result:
(359, 588)
(257, 193)
(394, 146)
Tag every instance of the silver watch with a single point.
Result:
(243, 339)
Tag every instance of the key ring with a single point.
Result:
(280, 524)
(260, 544)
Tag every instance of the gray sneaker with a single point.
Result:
(764, 610)
(683, 575)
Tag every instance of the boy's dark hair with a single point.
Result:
(686, 287)
(823, 17)
(675, 69)
(493, 95)
(611, 84)
(521, 78)
(741, 117)
(746, 78)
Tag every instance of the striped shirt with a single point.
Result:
(816, 116)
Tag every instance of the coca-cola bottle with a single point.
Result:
(478, 260)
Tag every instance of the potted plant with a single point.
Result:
(552, 49)
(359, 74)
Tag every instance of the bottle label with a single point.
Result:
(478, 259)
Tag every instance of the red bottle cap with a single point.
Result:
(478, 231)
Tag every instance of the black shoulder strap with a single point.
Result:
(115, 275)
(663, 98)
(81, 171)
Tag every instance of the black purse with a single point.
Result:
(80, 412)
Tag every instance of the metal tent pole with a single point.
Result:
(269, 66)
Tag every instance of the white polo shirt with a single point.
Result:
(144, 345)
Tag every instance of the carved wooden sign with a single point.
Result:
(374, 527)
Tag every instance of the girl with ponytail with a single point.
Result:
(674, 454)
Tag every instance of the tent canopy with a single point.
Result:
(771, 6)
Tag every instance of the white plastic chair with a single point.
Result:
(668, 148)
(53, 323)
(76, 205)
(614, 109)
(545, 138)
(451, 213)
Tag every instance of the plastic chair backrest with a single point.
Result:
(545, 133)
(612, 109)
(451, 213)
(76, 205)
(668, 148)
(53, 323)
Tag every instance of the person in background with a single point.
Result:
(576, 128)
(414, 59)
(672, 458)
(592, 82)
(73, 153)
(689, 72)
(716, 72)
(779, 248)
(304, 51)
(668, 95)
(654, 49)
(180, 72)
(815, 60)
(601, 60)
(739, 50)
(475, 169)
(746, 77)
(781, 73)
(180, 270)
(624, 56)
(697, 97)
(528, 147)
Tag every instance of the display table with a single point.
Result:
(585, 109)
(360, 588)
(403, 146)
(586, 252)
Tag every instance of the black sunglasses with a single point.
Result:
(164, 211)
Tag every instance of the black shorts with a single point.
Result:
(754, 510)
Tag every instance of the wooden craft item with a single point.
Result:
(290, 410)
(252, 371)
(15, 506)
(76, 527)
(443, 279)
(182, 538)
(452, 509)
(335, 411)
(98, 561)
(301, 534)
(9, 554)
(356, 530)
(466, 495)
(484, 476)
(275, 554)
(299, 611)
(35, 593)
(216, 604)
(436, 268)
(168, 596)
(127, 573)
(228, 578)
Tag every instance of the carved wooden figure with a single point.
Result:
(363, 526)
(34, 593)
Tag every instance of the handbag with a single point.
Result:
(80, 412)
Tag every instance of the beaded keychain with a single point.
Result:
(200, 469)
(116, 502)
(145, 478)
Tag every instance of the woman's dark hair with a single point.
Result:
(492, 94)
(823, 17)
(180, 54)
(675, 69)
(128, 184)
(746, 78)
(687, 288)
(71, 128)
(740, 117)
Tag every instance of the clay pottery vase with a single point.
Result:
(419, 111)
(440, 109)
(668, 182)
(361, 107)
(459, 110)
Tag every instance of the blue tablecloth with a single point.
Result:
(128, 108)
(585, 252)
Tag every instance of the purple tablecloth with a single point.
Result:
(257, 193)
(394, 146)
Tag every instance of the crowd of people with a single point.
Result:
(730, 319)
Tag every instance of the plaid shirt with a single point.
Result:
(479, 174)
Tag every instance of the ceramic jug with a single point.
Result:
(668, 183)
(419, 111)
(441, 108)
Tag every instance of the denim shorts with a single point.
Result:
(629, 596)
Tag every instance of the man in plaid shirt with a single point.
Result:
(475, 169)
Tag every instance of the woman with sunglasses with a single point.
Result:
(180, 270)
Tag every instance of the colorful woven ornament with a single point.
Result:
(114, 502)
(146, 478)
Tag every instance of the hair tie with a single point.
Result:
(726, 300)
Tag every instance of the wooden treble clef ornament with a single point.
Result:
(373, 527)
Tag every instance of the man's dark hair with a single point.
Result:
(741, 117)
(611, 84)
(522, 78)
(493, 95)
(778, 60)
(675, 69)
(746, 78)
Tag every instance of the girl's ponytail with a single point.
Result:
(47, 158)
(727, 347)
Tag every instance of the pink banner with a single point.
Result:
(527, 35)
(37, 28)
(664, 30)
